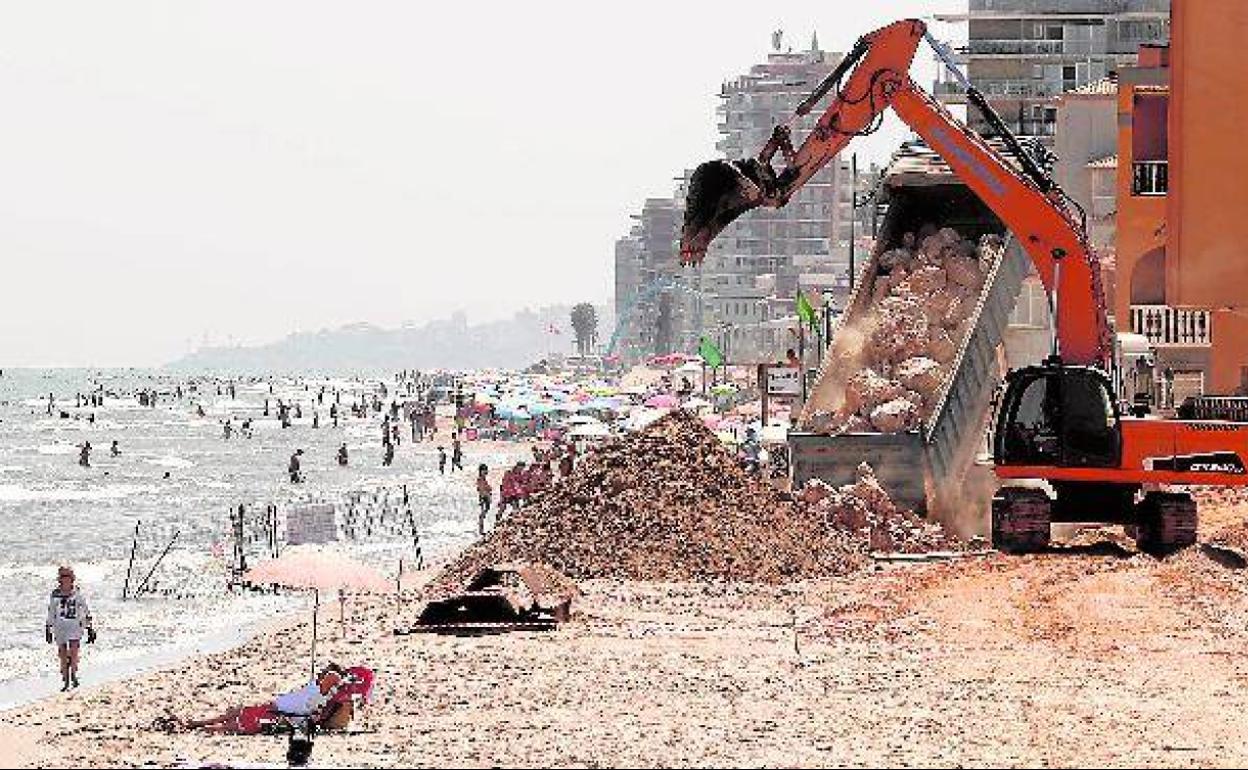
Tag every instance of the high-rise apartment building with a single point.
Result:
(767, 253)
(1023, 53)
(652, 308)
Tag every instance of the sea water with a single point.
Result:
(177, 474)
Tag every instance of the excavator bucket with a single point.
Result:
(719, 192)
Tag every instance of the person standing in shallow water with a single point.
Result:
(68, 618)
(293, 468)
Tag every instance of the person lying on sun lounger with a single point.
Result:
(307, 702)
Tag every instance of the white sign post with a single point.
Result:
(784, 381)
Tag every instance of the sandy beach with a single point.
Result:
(1091, 654)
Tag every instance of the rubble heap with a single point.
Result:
(865, 511)
(670, 503)
(903, 350)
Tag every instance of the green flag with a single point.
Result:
(710, 354)
(805, 310)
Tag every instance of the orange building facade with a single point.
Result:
(1182, 222)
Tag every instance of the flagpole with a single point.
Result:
(801, 356)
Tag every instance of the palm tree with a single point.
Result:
(585, 325)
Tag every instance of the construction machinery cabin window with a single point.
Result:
(1059, 417)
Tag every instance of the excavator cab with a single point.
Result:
(1058, 416)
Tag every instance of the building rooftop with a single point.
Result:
(915, 162)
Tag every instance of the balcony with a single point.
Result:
(1150, 177)
(1172, 326)
(1020, 88)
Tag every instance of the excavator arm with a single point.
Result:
(1026, 200)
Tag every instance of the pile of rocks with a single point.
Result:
(874, 522)
(667, 503)
(903, 350)
(670, 503)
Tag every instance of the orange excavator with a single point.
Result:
(1059, 421)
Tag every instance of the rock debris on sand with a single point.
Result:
(670, 503)
(865, 510)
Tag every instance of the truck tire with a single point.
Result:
(1020, 520)
(1166, 522)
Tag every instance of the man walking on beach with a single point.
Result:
(84, 454)
(457, 454)
(68, 617)
(442, 460)
(485, 496)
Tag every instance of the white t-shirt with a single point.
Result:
(303, 701)
(68, 615)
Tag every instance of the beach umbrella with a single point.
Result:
(643, 417)
(590, 430)
(603, 403)
(662, 401)
(316, 569)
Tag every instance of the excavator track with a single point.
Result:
(1020, 520)
(1166, 523)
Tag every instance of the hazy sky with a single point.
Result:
(247, 169)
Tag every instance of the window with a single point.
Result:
(1053, 32)
(1031, 433)
(1064, 417)
(1088, 422)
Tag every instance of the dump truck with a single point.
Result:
(916, 466)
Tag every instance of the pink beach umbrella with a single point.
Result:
(662, 401)
(317, 569)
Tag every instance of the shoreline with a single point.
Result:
(36, 688)
(42, 688)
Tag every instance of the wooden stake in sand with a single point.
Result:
(152, 571)
(134, 546)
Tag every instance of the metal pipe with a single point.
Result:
(316, 606)
(853, 213)
(1057, 282)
